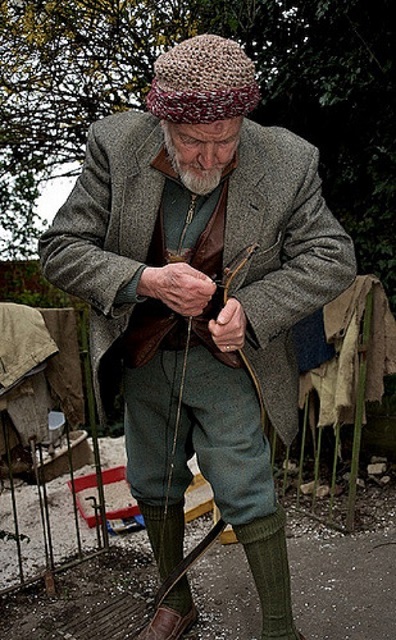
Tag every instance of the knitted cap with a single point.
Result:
(201, 80)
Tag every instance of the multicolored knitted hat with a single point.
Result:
(201, 80)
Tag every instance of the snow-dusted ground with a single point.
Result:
(62, 519)
(343, 586)
(63, 530)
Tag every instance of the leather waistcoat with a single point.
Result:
(155, 326)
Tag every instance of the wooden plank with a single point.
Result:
(198, 498)
(228, 536)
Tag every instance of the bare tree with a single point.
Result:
(64, 65)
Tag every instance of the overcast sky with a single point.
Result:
(53, 195)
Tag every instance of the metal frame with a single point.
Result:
(346, 526)
(51, 567)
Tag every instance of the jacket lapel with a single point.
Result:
(246, 204)
(143, 188)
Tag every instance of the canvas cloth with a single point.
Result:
(25, 348)
(63, 372)
(336, 381)
(25, 342)
(39, 369)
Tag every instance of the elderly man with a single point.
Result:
(151, 237)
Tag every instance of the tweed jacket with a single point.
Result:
(100, 238)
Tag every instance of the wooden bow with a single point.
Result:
(229, 274)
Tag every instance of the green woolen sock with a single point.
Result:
(264, 542)
(167, 543)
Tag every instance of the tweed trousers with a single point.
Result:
(219, 420)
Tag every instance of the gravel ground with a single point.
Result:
(343, 586)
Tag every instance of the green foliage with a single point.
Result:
(21, 282)
(66, 64)
(19, 223)
(326, 70)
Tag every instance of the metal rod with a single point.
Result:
(92, 424)
(75, 509)
(317, 467)
(14, 506)
(359, 411)
(40, 497)
(302, 450)
(334, 473)
(46, 511)
(96, 509)
(313, 516)
(63, 567)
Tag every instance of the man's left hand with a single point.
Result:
(228, 330)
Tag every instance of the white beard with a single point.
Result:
(201, 185)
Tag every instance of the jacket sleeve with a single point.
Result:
(72, 250)
(315, 264)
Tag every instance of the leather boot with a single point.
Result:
(167, 624)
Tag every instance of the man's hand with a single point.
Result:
(228, 330)
(179, 286)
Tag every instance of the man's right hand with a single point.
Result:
(179, 286)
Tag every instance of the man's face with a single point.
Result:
(200, 152)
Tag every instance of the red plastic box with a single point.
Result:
(116, 474)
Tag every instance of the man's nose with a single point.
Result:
(207, 157)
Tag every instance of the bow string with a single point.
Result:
(230, 272)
